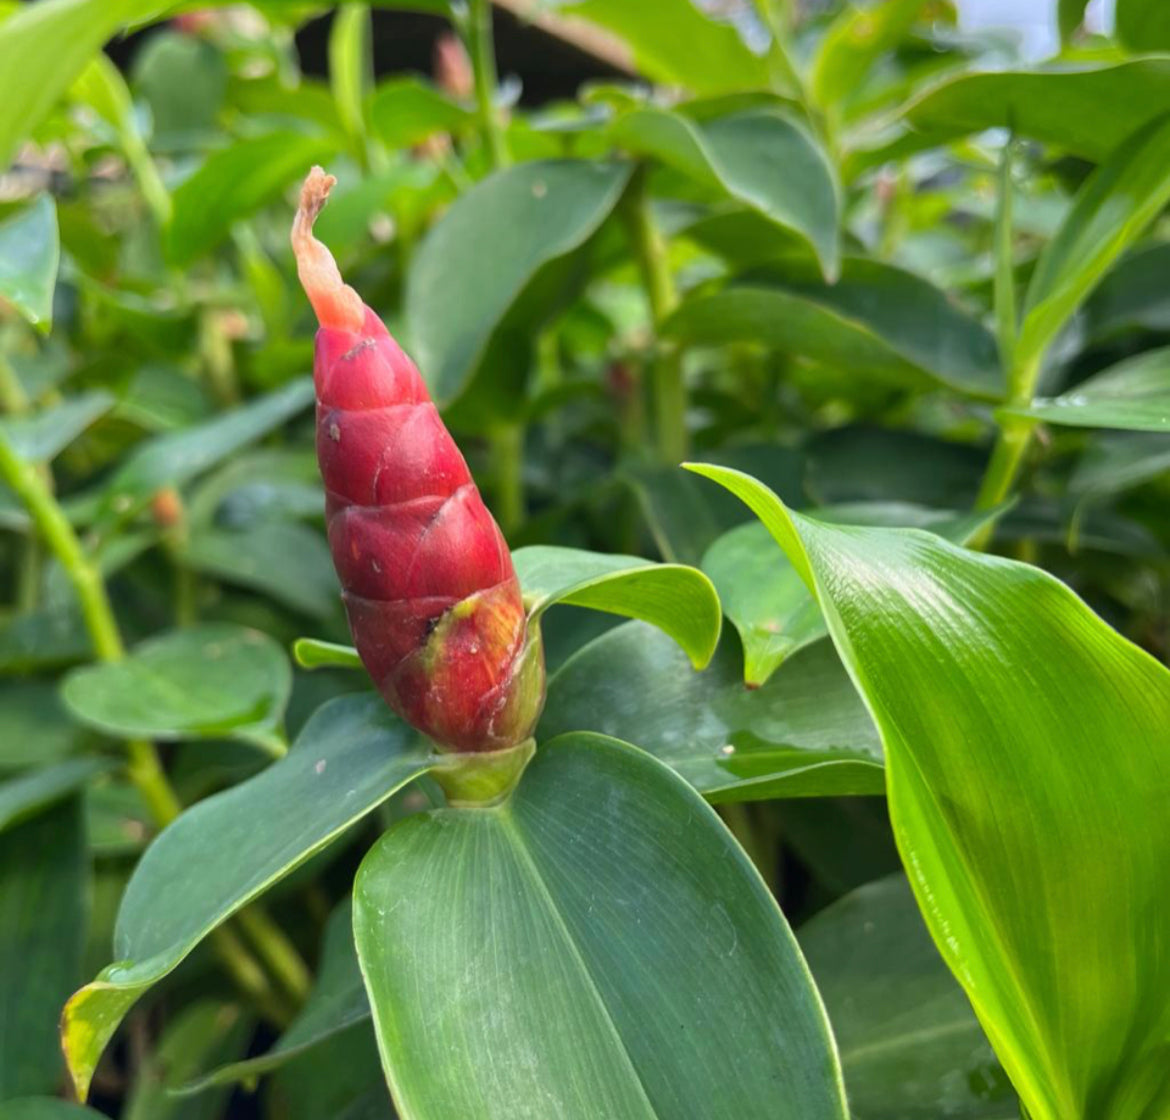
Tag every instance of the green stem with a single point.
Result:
(669, 389)
(280, 954)
(1005, 276)
(477, 36)
(507, 444)
(250, 978)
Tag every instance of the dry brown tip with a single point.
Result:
(336, 304)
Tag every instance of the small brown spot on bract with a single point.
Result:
(539, 189)
(335, 432)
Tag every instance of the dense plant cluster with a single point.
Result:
(817, 374)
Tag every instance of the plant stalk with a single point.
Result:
(476, 29)
(507, 445)
(144, 767)
(669, 389)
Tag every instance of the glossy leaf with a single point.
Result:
(759, 158)
(42, 924)
(350, 757)
(803, 734)
(680, 601)
(1113, 207)
(659, 979)
(1133, 395)
(876, 321)
(30, 251)
(1143, 25)
(911, 1046)
(698, 54)
(233, 183)
(336, 1003)
(405, 111)
(1086, 108)
(45, 434)
(767, 601)
(490, 251)
(42, 49)
(176, 457)
(25, 796)
(945, 647)
(199, 682)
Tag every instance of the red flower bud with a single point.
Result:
(432, 598)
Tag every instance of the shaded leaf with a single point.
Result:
(803, 734)
(45, 434)
(659, 978)
(30, 250)
(350, 757)
(27, 795)
(34, 726)
(405, 111)
(1143, 25)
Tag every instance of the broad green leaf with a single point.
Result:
(949, 649)
(1132, 294)
(34, 726)
(45, 434)
(337, 1002)
(759, 158)
(307, 1086)
(876, 321)
(30, 250)
(855, 40)
(284, 559)
(405, 111)
(628, 960)
(910, 1044)
(203, 1033)
(1086, 108)
(48, 1108)
(489, 261)
(42, 49)
(233, 183)
(680, 601)
(48, 637)
(28, 794)
(202, 682)
(803, 734)
(223, 852)
(1113, 207)
(696, 53)
(1143, 25)
(1116, 462)
(1133, 395)
(177, 457)
(43, 872)
(351, 66)
(312, 653)
(767, 601)
(183, 78)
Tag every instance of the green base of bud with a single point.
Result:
(481, 779)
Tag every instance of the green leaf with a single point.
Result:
(233, 183)
(42, 49)
(27, 795)
(230, 848)
(307, 1087)
(204, 1032)
(43, 873)
(1070, 14)
(477, 278)
(337, 1002)
(1086, 108)
(30, 250)
(697, 53)
(34, 726)
(177, 457)
(803, 734)
(351, 66)
(405, 111)
(1133, 395)
(910, 1044)
(1114, 463)
(42, 436)
(1143, 25)
(183, 78)
(283, 559)
(1114, 206)
(767, 601)
(759, 158)
(855, 40)
(312, 653)
(951, 649)
(48, 1108)
(680, 601)
(596, 945)
(876, 320)
(202, 682)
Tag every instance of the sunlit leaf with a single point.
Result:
(30, 251)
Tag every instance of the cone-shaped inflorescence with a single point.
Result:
(428, 583)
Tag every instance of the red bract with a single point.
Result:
(428, 583)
